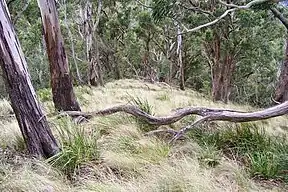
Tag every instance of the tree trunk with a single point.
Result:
(281, 92)
(32, 122)
(222, 76)
(222, 70)
(78, 74)
(93, 56)
(179, 52)
(62, 87)
(148, 71)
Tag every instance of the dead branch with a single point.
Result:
(247, 6)
(207, 114)
(210, 114)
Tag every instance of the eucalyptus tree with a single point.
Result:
(61, 83)
(281, 91)
(31, 119)
(91, 15)
(226, 35)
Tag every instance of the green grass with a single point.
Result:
(77, 147)
(264, 156)
(163, 97)
(217, 157)
(44, 95)
(145, 106)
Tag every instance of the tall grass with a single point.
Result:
(265, 156)
(78, 146)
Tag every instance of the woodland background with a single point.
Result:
(135, 39)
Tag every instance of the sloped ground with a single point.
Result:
(124, 158)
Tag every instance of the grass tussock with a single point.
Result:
(113, 153)
(78, 146)
(264, 156)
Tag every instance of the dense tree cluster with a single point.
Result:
(236, 59)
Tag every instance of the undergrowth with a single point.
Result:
(77, 147)
(218, 157)
(264, 156)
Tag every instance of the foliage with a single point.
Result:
(143, 104)
(77, 148)
(44, 95)
(265, 156)
(140, 41)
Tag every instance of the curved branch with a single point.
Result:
(210, 23)
(233, 9)
(210, 114)
(247, 6)
(188, 127)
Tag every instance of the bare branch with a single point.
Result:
(214, 114)
(280, 16)
(247, 6)
(207, 114)
(233, 9)
(188, 127)
(210, 23)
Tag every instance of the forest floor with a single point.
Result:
(112, 153)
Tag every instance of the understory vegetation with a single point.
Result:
(99, 95)
(115, 153)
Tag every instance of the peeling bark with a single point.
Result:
(61, 83)
(32, 122)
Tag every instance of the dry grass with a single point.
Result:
(130, 161)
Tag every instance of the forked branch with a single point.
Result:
(207, 114)
(232, 8)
